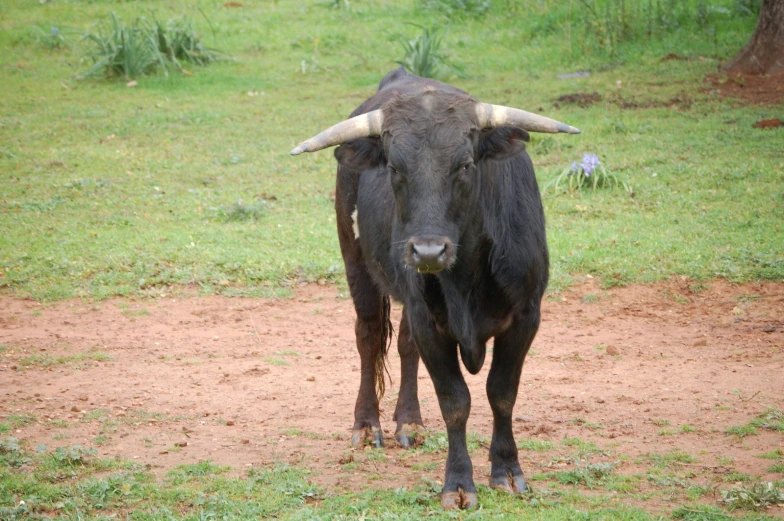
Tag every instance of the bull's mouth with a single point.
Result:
(428, 270)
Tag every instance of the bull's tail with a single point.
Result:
(387, 331)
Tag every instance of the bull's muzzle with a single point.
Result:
(429, 254)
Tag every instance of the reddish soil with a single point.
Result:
(766, 89)
(248, 382)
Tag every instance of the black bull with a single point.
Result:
(438, 207)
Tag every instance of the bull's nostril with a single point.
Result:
(429, 250)
(429, 254)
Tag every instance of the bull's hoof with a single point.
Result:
(459, 500)
(368, 435)
(512, 484)
(406, 435)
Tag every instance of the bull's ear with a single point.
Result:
(501, 142)
(361, 154)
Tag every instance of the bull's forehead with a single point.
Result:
(429, 109)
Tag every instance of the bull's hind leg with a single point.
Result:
(371, 330)
(503, 381)
(407, 413)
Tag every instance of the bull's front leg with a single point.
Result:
(509, 352)
(371, 344)
(407, 412)
(440, 357)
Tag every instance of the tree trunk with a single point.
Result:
(764, 54)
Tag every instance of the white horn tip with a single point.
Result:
(562, 127)
(297, 150)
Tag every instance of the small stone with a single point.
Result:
(311, 378)
(82, 397)
(74, 409)
(702, 342)
(181, 444)
(229, 423)
(612, 351)
(244, 442)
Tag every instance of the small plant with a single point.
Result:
(772, 419)
(588, 173)
(51, 37)
(424, 58)
(239, 212)
(777, 467)
(11, 453)
(753, 497)
(72, 456)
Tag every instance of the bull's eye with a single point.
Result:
(397, 177)
(466, 167)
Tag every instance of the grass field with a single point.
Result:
(184, 181)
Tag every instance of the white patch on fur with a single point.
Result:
(355, 222)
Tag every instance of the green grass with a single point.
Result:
(15, 421)
(535, 445)
(47, 360)
(185, 181)
(772, 419)
(774, 454)
(72, 483)
(670, 458)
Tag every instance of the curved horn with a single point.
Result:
(364, 125)
(497, 115)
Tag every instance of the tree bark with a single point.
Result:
(764, 54)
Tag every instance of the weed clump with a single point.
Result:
(423, 56)
(239, 212)
(144, 47)
(753, 497)
(587, 474)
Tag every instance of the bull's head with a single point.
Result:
(430, 145)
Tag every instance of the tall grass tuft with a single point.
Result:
(424, 58)
(121, 50)
(144, 47)
(179, 42)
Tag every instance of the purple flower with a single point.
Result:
(589, 164)
(575, 168)
(55, 31)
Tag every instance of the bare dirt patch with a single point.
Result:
(249, 382)
(765, 89)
